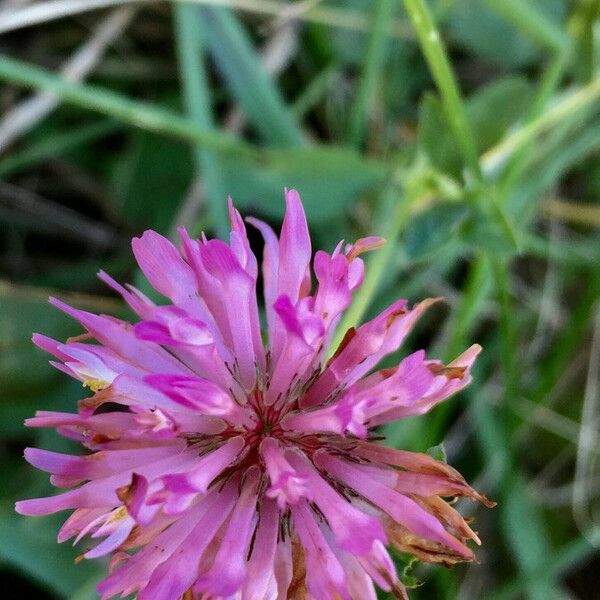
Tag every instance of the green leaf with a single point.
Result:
(495, 107)
(29, 545)
(487, 229)
(55, 144)
(434, 138)
(198, 100)
(477, 28)
(438, 452)
(328, 179)
(20, 316)
(434, 231)
(492, 111)
(247, 78)
(151, 179)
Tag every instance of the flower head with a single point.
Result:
(221, 467)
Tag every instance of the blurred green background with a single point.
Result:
(466, 132)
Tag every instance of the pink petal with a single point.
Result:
(261, 584)
(401, 508)
(135, 573)
(353, 530)
(294, 248)
(164, 268)
(325, 577)
(365, 348)
(238, 297)
(287, 486)
(179, 571)
(228, 571)
(119, 337)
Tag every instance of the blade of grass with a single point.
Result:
(564, 347)
(330, 16)
(247, 78)
(554, 566)
(25, 115)
(40, 214)
(454, 107)
(372, 71)
(587, 215)
(568, 253)
(524, 533)
(321, 159)
(437, 58)
(477, 289)
(569, 107)
(134, 112)
(55, 145)
(548, 168)
(547, 86)
(582, 25)
(314, 91)
(522, 524)
(190, 48)
(508, 333)
(532, 21)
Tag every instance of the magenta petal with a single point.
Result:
(294, 248)
(113, 541)
(138, 302)
(325, 577)
(353, 530)
(333, 294)
(164, 268)
(228, 571)
(287, 486)
(261, 584)
(176, 574)
(399, 507)
(238, 297)
(119, 337)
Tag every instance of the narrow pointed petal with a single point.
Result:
(262, 583)
(325, 576)
(164, 267)
(294, 247)
(364, 348)
(228, 572)
(179, 571)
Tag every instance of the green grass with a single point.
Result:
(456, 129)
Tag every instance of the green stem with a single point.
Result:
(133, 112)
(575, 103)
(476, 291)
(508, 337)
(439, 64)
(549, 82)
